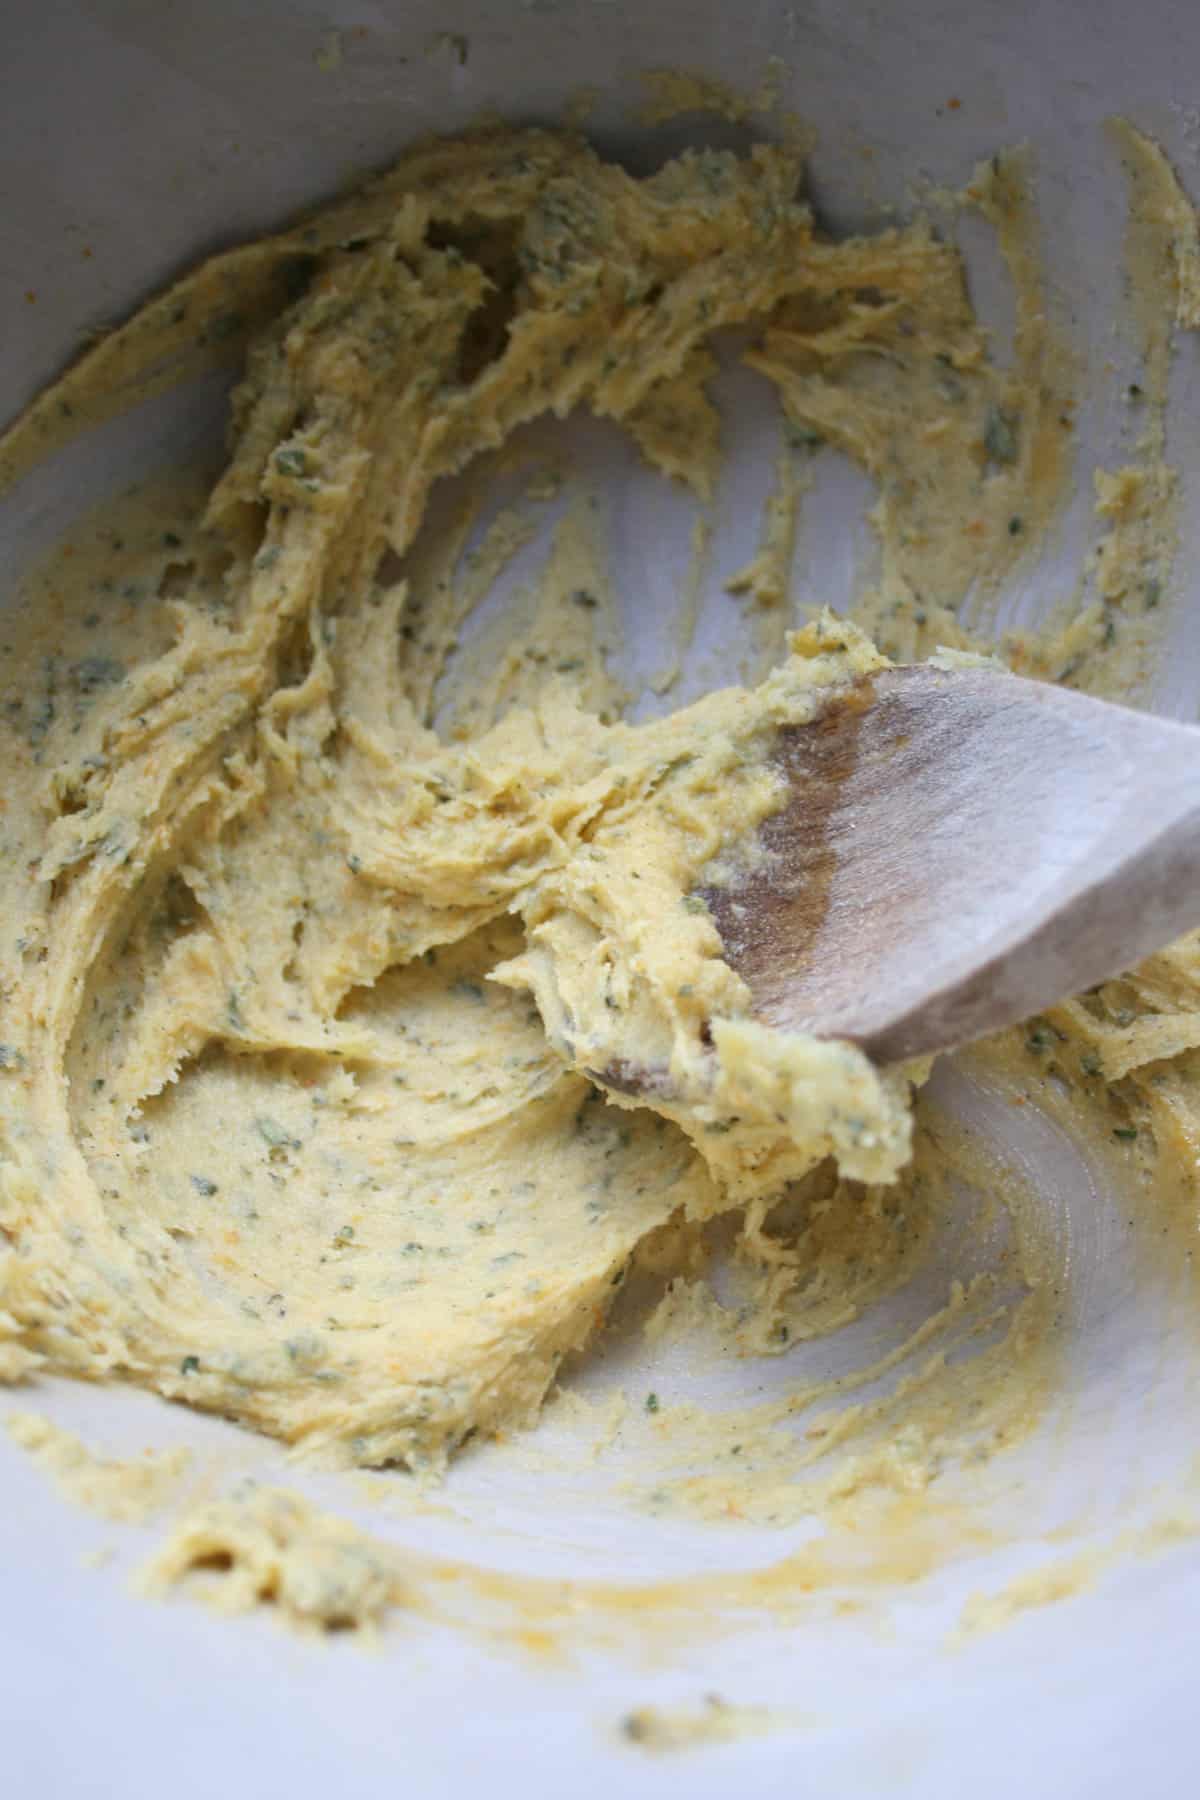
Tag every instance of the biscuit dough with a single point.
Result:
(303, 982)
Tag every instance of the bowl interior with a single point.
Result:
(138, 138)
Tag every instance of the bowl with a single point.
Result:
(1024, 1625)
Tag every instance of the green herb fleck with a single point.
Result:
(203, 1185)
(1000, 435)
(803, 437)
(273, 1133)
(291, 461)
(95, 672)
(1126, 1132)
(651, 1403)
(190, 1365)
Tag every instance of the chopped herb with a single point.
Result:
(651, 1403)
(306, 1347)
(203, 1185)
(273, 1133)
(1000, 435)
(803, 437)
(1015, 526)
(1127, 1132)
(42, 720)
(95, 672)
(1090, 1064)
(354, 864)
(291, 461)
(581, 597)
(190, 1365)
(694, 903)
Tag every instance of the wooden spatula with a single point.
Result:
(962, 848)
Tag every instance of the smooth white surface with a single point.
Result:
(149, 131)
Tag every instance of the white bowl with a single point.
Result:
(138, 137)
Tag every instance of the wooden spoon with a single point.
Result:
(962, 848)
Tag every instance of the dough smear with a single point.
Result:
(305, 984)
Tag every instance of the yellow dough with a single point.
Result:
(300, 994)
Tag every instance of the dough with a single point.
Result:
(305, 989)
(129, 1490)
